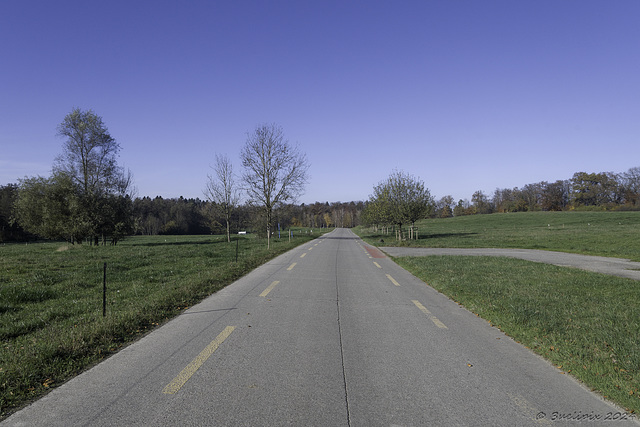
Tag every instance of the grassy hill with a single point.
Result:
(615, 234)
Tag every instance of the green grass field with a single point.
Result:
(615, 234)
(51, 322)
(585, 323)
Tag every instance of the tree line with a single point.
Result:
(583, 191)
(184, 216)
(160, 216)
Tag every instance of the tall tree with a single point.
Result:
(88, 194)
(532, 194)
(222, 191)
(555, 196)
(274, 170)
(503, 199)
(481, 204)
(89, 155)
(401, 199)
(410, 199)
(89, 159)
(595, 189)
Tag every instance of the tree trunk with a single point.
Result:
(268, 229)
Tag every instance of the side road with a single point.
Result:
(613, 266)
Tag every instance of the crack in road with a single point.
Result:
(344, 374)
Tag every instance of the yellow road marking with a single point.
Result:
(291, 266)
(433, 318)
(302, 256)
(393, 280)
(180, 380)
(377, 265)
(269, 288)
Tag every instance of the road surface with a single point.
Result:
(332, 333)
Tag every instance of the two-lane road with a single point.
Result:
(330, 334)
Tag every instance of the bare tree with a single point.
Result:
(221, 190)
(274, 170)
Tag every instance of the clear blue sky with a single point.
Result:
(466, 95)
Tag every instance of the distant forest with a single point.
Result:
(153, 216)
(584, 191)
(160, 216)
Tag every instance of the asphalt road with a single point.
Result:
(332, 333)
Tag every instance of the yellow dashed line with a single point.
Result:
(269, 288)
(433, 318)
(291, 266)
(393, 280)
(377, 265)
(302, 256)
(180, 380)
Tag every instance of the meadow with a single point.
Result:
(585, 323)
(51, 299)
(614, 234)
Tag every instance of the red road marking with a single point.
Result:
(374, 252)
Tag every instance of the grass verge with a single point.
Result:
(584, 323)
(51, 323)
